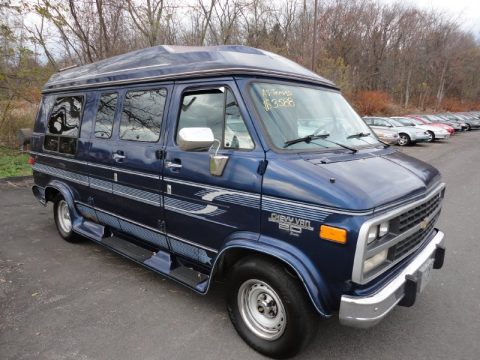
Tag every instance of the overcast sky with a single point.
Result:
(466, 11)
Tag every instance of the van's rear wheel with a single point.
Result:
(63, 220)
(269, 308)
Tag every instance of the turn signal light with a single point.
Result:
(334, 234)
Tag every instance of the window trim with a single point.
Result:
(80, 123)
(204, 89)
(165, 110)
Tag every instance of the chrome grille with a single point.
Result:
(403, 247)
(416, 215)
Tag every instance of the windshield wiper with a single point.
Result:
(307, 139)
(358, 135)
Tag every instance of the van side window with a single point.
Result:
(218, 110)
(105, 114)
(236, 133)
(64, 124)
(142, 115)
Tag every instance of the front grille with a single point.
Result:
(408, 232)
(406, 245)
(416, 215)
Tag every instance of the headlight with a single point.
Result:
(374, 261)
(383, 229)
(377, 231)
(372, 234)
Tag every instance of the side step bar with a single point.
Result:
(161, 262)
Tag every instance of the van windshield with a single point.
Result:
(305, 118)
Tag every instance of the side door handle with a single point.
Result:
(176, 164)
(118, 156)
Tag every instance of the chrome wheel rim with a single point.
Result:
(261, 309)
(402, 141)
(63, 216)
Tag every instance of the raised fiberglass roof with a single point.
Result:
(181, 62)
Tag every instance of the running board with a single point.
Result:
(161, 262)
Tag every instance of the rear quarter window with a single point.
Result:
(63, 126)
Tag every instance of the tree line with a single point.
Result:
(392, 54)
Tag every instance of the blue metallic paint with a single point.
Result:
(363, 184)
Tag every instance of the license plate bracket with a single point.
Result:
(425, 273)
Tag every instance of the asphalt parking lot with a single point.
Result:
(65, 301)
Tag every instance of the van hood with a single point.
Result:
(362, 181)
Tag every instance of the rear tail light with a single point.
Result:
(31, 160)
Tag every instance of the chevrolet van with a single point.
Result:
(232, 163)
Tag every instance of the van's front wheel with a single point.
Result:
(63, 220)
(269, 308)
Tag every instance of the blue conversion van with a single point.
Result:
(233, 163)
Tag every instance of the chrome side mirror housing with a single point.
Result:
(195, 138)
(217, 162)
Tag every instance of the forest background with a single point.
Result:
(387, 57)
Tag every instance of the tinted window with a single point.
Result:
(105, 114)
(218, 110)
(65, 116)
(64, 124)
(142, 115)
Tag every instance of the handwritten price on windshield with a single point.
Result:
(269, 103)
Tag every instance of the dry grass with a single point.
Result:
(15, 115)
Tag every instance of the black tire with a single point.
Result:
(432, 134)
(469, 127)
(404, 139)
(67, 235)
(300, 322)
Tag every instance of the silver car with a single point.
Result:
(387, 135)
(407, 134)
(436, 133)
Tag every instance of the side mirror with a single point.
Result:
(195, 138)
(217, 162)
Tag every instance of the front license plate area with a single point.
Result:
(425, 274)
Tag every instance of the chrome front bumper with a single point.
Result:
(367, 311)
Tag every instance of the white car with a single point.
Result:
(407, 134)
(435, 132)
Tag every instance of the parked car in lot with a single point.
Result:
(424, 120)
(230, 162)
(436, 133)
(387, 135)
(436, 119)
(454, 120)
(472, 122)
(407, 134)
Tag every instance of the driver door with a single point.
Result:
(203, 207)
